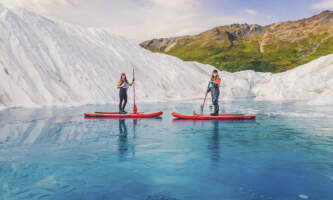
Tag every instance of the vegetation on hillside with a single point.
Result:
(273, 48)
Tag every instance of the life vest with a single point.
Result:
(124, 85)
(216, 83)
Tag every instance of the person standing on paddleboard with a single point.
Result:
(214, 89)
(123, 85)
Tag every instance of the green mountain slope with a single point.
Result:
(273, 48)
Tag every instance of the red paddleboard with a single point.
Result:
(128, 115)
(219, 117)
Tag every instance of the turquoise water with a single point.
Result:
(286, 153)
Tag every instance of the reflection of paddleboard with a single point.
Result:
(219, 117)
(127, 115)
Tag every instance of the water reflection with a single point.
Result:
(122, 140)
(214, 145)
(126, 138)
(218, 130)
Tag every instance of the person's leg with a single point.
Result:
(125, 101)
(212, 91)
(212, 95)
(121, 101)
(217, 107)
(215, 100)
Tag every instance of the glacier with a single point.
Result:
(47, 62)
(311, 83)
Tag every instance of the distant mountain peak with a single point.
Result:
(274, 48)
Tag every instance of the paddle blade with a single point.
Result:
(135, 109)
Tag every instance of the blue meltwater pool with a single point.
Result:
(285, 154)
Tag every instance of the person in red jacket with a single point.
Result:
(214, 88)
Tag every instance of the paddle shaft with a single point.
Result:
(203, 104)
(135, 109)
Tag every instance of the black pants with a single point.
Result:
(123, 98)
(215, 92)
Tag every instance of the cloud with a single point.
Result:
(323, 5)
(135, 19)
(37, 5)
(251, 12)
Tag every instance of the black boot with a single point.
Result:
(214, 114)
(124, 112)
(121, 111)
(216, 111)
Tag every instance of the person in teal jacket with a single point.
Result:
(123, 85)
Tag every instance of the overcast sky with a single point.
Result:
(146, 19)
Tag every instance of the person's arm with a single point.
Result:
(131, 82)
(119, 84)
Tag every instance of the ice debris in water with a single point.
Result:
(303, 196)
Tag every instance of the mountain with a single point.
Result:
(49, 63)
(273, 48)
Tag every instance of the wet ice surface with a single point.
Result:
(287, 153)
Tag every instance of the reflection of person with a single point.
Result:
(214, 88)
(123, 146)
(123, 85)
(122, 128)
(215, 143)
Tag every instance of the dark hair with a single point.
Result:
(122, 79)
(217, 77)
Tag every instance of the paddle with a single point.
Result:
(203, 104)
(135, 109)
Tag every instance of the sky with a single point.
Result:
(141, 20)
